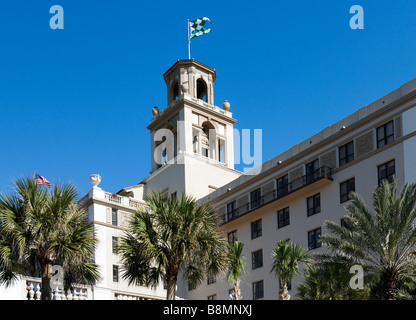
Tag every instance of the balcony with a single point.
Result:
(111, 198)
(293, 186)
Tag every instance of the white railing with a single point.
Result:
(34, 291)
(126, 201)
(112, 197)
(137, 205)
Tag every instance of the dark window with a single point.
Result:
(258, 290)
(114, 217)
(255, 197)
(313, 238)
(212, 297)
(232, 210)
(282, 186)
(232, 236)
(314, 204)
(256, 229)
(211, 279)
(385, 134)
(345, 188)
(257, 259)
(115, 273)
(312, 170)
(176, 91)
(386, 171)
(283, 218)
(191, 286)
(201, 90)
(114, 244)
(173, 196)
(346, 153)
(345, 224)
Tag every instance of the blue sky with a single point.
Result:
(77, 101)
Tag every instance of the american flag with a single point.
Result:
(42, 181)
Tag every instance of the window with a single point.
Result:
(386, 171)
(256, 229)
(231, 294)
(164, 194)
(232, 236)
(232, 210)
(212, 297)
(385, 134)
(115, 273)
(175, 90)
(201, 90)
(346, 153)
(258, 290)
(114, 244)
(283, 218)
(313, 238)
(114, 217)
(191, 286)
(312, 170)
(345, 224)
(282, 186)
(345, 188)
(211, 279)
(314, 204)
(257, 259)
(255, 197)
(173, 196)
(221, 150)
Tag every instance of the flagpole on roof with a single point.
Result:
(189, 42)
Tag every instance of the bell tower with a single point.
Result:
(191, 77)
(191, 131)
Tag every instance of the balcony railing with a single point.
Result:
(294, 185)
(112, 197)
(34, 291)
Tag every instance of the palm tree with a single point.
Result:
(287, 257)
(172, 235)
(40, 228)
(236, 267)
(382, 242)
(328, 282)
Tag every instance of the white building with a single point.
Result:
(287, 197)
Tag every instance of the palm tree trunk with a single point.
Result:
(46, 266)
(237, 291)
(172, 271)
(389, 280)
(171, 289)
(283, 292)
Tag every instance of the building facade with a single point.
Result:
(287, 197)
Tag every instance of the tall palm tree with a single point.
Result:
(381, 242)
(40, 228)
(171, 235)
(236, 267)
(287, 257)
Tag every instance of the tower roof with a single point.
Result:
(190, 61)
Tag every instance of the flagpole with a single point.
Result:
(189, 43)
